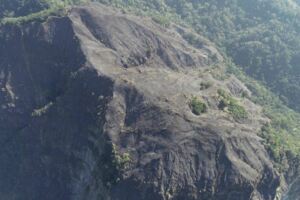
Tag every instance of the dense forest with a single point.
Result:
(261, 37)
(18, 8)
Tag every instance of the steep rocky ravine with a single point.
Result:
(95, 105)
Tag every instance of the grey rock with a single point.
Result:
(77, 90)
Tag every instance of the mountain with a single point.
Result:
(134, 102)
(261, 36)
(100, 104)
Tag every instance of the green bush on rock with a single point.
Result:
(120, 160)
(197, 106)
(231, 105)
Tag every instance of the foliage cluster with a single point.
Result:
(197, 106)
(232, 105)
(205, 85)
(120, 160)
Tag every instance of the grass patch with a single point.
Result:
(162, 20)
(230, 104)
(237, 111)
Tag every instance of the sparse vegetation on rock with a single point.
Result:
(197, 106)
(120, 160)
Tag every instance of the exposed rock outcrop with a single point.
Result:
(95, 105)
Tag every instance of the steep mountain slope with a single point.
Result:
(103, 105)
(261, 36)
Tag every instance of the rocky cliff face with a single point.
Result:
(95, 105)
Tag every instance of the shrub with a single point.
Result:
(245, 94)
(222, 93)
(237, 111)
(193, 40)
(205, 85)
(197, 106)
(162, 20)
(223, 104)
(120, 160)
(232, 105)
